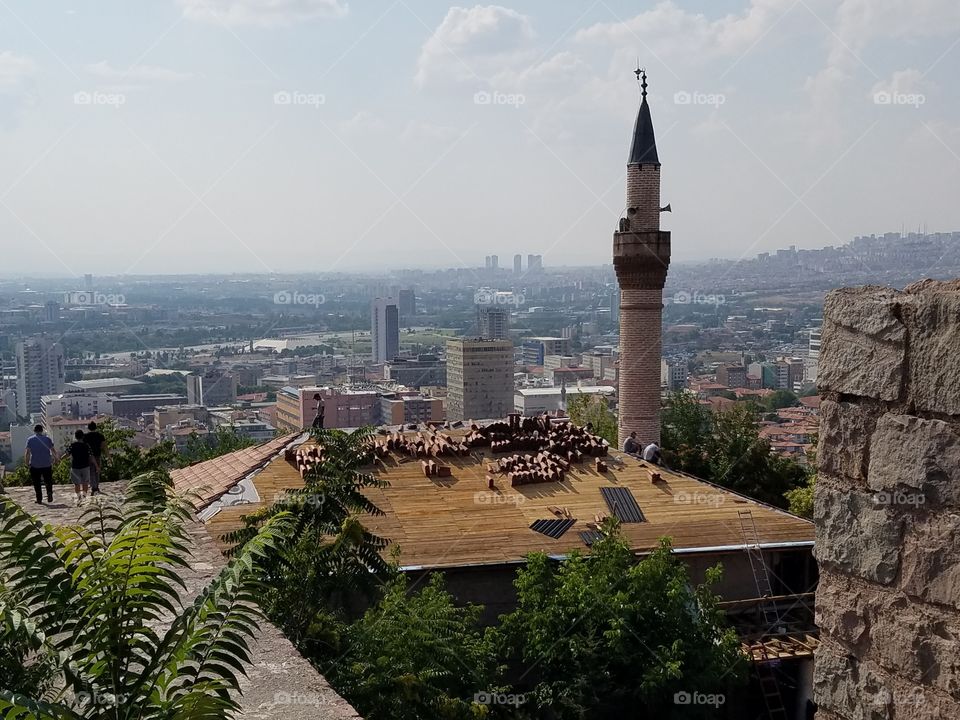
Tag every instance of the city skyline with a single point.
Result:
(197, 135)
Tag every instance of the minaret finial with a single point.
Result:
(641, 74)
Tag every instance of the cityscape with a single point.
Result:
(343, 440)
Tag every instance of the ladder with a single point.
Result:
(769, 686)
(751, 540)
(763, 667)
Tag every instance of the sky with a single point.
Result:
(176, 136)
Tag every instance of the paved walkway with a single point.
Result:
(280, 683)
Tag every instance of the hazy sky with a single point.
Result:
(163, 136)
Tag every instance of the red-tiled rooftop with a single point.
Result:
(212, 478)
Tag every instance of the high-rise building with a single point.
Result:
(384, 329)
(641, 255)
(493, 322)
(51, 311)
(479, 378)
(406, 303)
(211, 387)
(813, 355)
(40, 371)
(517, 264)
(534, 263)
(494, 262)
(674, 374)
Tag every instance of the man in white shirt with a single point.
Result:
(651, 453)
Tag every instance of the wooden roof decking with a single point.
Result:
(456, 520)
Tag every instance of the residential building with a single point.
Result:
(479, 378)
(493, 321)
(40, 371)
(76, 404)
(384, 329)
(534, 264)
(343, 407)
(536, 401)
(535, 349)
(167, 416)
(414, 373)
(673, 374)
(733, 376)
(397, 409)
(518, 264)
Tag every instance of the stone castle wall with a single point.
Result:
(887, 504)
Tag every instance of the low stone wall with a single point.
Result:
(887, 504)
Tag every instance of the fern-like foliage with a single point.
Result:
(94, 611)
(329, 555)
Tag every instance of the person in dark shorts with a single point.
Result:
(40, 454)
(98, 448)
(81, 459)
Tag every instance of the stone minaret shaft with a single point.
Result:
(641, 255)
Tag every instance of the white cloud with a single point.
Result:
(14, 69)
(263, 13)
(475, 44)
(104, 70)
(672, 33)
(362, 123)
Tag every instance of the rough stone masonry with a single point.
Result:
(887, 504)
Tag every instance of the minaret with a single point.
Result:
(641, 254)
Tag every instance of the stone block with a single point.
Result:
(855, 535)
(931, 560)
(863, 349)
(932, 317)
(844, 443)
(920, 458)
(841, 611)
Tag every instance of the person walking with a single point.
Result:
(40, 454)
(80, 461)
(98, 448)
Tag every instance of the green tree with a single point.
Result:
(606, 636)
(225, 440)
(685, 427)
(593, 409)
(329, 557)
(800, 499)
(83, 609)
(416, 655)
(779, 399)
